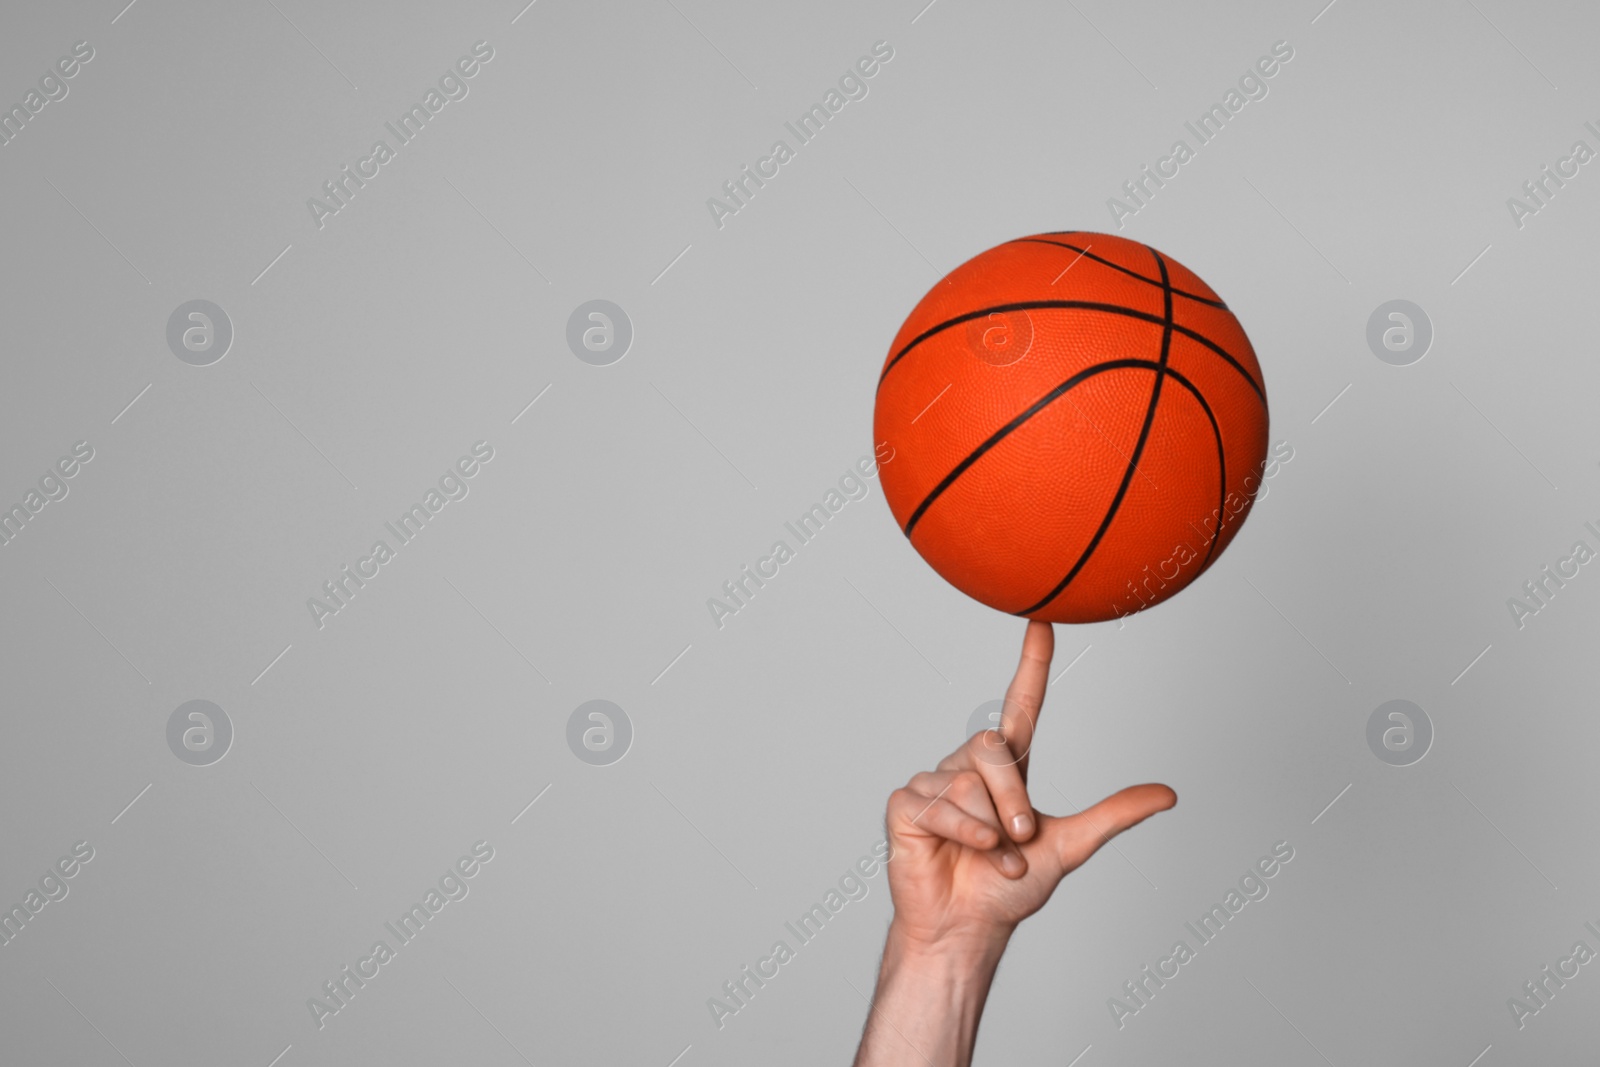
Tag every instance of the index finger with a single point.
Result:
(1019, 715)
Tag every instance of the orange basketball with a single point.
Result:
(1079, 427)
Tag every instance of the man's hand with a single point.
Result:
(971, 859)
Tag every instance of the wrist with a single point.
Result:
(930, 996)
(973, 951)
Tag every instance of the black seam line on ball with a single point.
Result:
(1138, 448)
(1075, 305)
(1216, 433)
(1000, 434)
(1084, 253)
(1222, 477)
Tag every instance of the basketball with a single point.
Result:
(1078, 425)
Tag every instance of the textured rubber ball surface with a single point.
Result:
(1079, 426)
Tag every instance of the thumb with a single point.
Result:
(1072, 839)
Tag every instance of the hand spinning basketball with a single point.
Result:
(1079, 426)
(972, 857)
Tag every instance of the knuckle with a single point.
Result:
(969, 783)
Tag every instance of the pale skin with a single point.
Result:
(971, 858)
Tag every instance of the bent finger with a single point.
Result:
(993, 760)
(930, 783)
(941, 818)
(970, 792)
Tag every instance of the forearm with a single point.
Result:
(928, 1001)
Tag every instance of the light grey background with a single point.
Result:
(368, 356)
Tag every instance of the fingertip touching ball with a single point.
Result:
(1079, 427)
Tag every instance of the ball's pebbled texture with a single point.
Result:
(1079, 426)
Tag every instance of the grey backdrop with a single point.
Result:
(371, 352)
